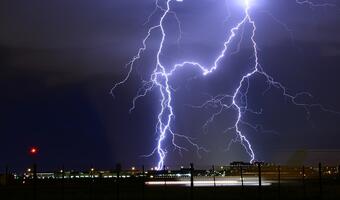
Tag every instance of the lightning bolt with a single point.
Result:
(312, 4)
(159, 79)
(161, 74)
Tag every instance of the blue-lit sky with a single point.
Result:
(59, 60)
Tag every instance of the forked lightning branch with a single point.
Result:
(161, 75)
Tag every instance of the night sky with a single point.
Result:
(60, 58)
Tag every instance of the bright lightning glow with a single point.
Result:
(161, 74)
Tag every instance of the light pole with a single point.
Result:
(33, 151)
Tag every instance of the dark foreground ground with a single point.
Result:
(135, 189)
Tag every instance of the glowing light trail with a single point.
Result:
(221, 182)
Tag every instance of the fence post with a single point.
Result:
(260, 181)
(165, 174)
(191, 181)
(143, 182)
(63, 182)
(214, 177)
(92, 184)
(242, 183)
(118, 169)
(35, 181)
(320, 179)
(303, 182)
(279, 181)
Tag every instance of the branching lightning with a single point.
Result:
(161, 74)
(312, 4)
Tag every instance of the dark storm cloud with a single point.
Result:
(56, 24)
(79, 37)
(60, 58)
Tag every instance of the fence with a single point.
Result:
(238, 181)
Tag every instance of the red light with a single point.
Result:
(33, 150)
